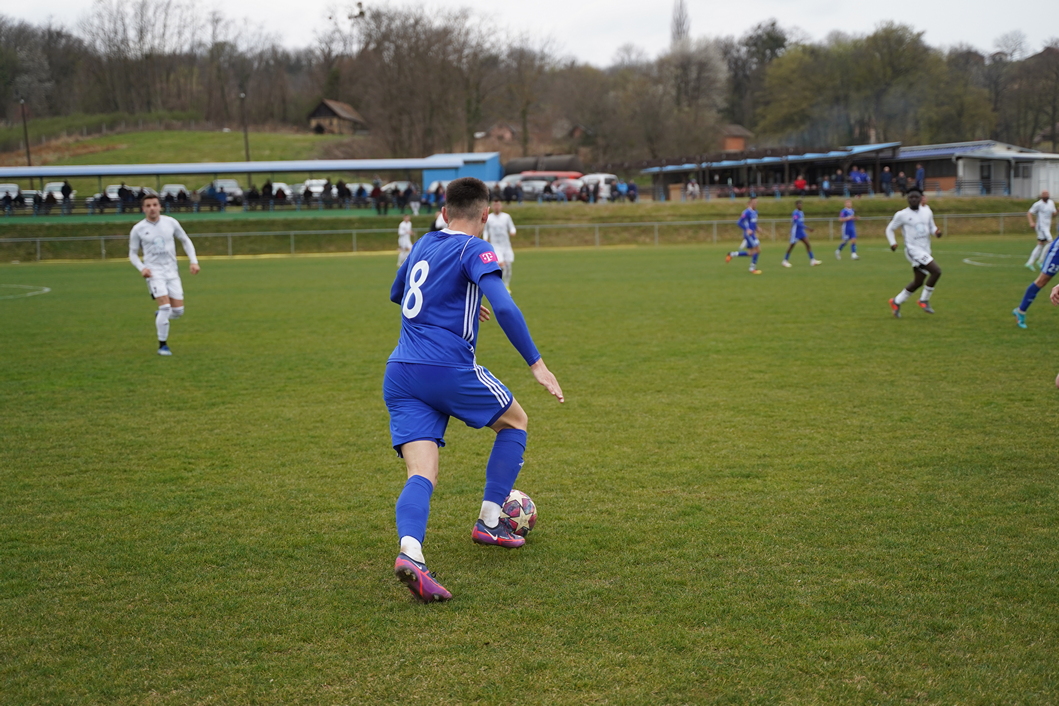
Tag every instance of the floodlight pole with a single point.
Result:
(25, 135)
(246, 134)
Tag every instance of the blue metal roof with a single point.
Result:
(320, 166)
(762, 161)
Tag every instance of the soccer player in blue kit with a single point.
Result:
(748, 224)
(798, 232)
(433, 374)
(847, 216)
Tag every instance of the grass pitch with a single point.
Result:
(760, 490)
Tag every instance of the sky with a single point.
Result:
(593, 30)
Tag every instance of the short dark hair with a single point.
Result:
(147, 197)
(466, 197)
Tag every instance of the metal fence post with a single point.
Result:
(229, 245)
(830, 228)
(715, 231)
(656, 235)
(102, 248)
(38, 249)
(354, 241)
(1001, 224)
(945, 223)
(292, 242)
(774, 231)
(597, 235)
(537, 236)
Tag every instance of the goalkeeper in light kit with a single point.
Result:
(917, 223)
(157, 235)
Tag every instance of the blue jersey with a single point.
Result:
(748, 221)
(848, 228)
(438, 290)
(798, 224)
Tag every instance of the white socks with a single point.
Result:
(176, 313)
(902, 297)
(161, 322)
(412, 547)
(505, 273)
(1038, 250)
(490, 514)
(925, 296)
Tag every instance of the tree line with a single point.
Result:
(429, 82)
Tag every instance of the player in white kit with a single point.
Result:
(499, 230)
(1044, 210)
(404, 240)
(917, 223)
(157, 235)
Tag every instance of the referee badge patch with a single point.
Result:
(488, 257)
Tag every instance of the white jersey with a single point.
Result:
(404, 235)
(158, 241)
(918, 227)
(498, 230)
(1044, 212)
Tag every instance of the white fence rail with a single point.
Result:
(656, 233)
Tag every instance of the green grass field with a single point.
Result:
(760, 490)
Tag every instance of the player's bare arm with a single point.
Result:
(1055, 295)
(547, 379)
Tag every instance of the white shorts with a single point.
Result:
(505, 255)
(1043, 236)
(918, 256)
(165, 287)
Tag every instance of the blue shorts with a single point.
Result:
(421, 398)
(848, 236)
(796, 236)
(751, 241)
(1051, 260)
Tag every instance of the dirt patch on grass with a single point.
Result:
(55, 150)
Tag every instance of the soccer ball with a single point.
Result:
(519, 513)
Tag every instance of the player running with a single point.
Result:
(1048, 270)
(1043, 209)
(848, 218)
(433, 374)
(157, 235)
(748, 223)
(917, 223)
(404, 240)
(499, 230)
(798, 232)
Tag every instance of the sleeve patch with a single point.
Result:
(488, 257)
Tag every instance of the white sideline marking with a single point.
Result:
(35, 290)
(969, 261)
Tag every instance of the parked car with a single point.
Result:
(11, 190)
(231, 187)
(443, 183)
(56, 188)
(605, 181)
(278, 186)
(570, 187)
(316, 186)
(532, 188)
(399, 185)
(174, 191)
(112, 192)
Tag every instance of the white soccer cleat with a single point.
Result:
(838, 254)
(814, 263)
(786, 263)
(854, 256)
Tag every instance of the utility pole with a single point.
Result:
(246, 134)
(25, 135)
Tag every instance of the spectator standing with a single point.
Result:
(509, 193)
(196, 200)
(886, 182)
(902, 183)
(519, 194)
(595, 192)
(634, 192)
(412, 198)
(67, 192)
(222, 199)
(838, 183)
(800, 185)
(921, 177)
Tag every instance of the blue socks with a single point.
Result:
(842, 245)
(811, 255)
(504, 464)
(853, 247)
(413, 508)
(1031, 294)
(753, 260)
(743, 253)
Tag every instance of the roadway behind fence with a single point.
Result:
(529, 236)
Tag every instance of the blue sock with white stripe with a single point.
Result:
(413, 508)
(1031, 294)
(504, 464)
